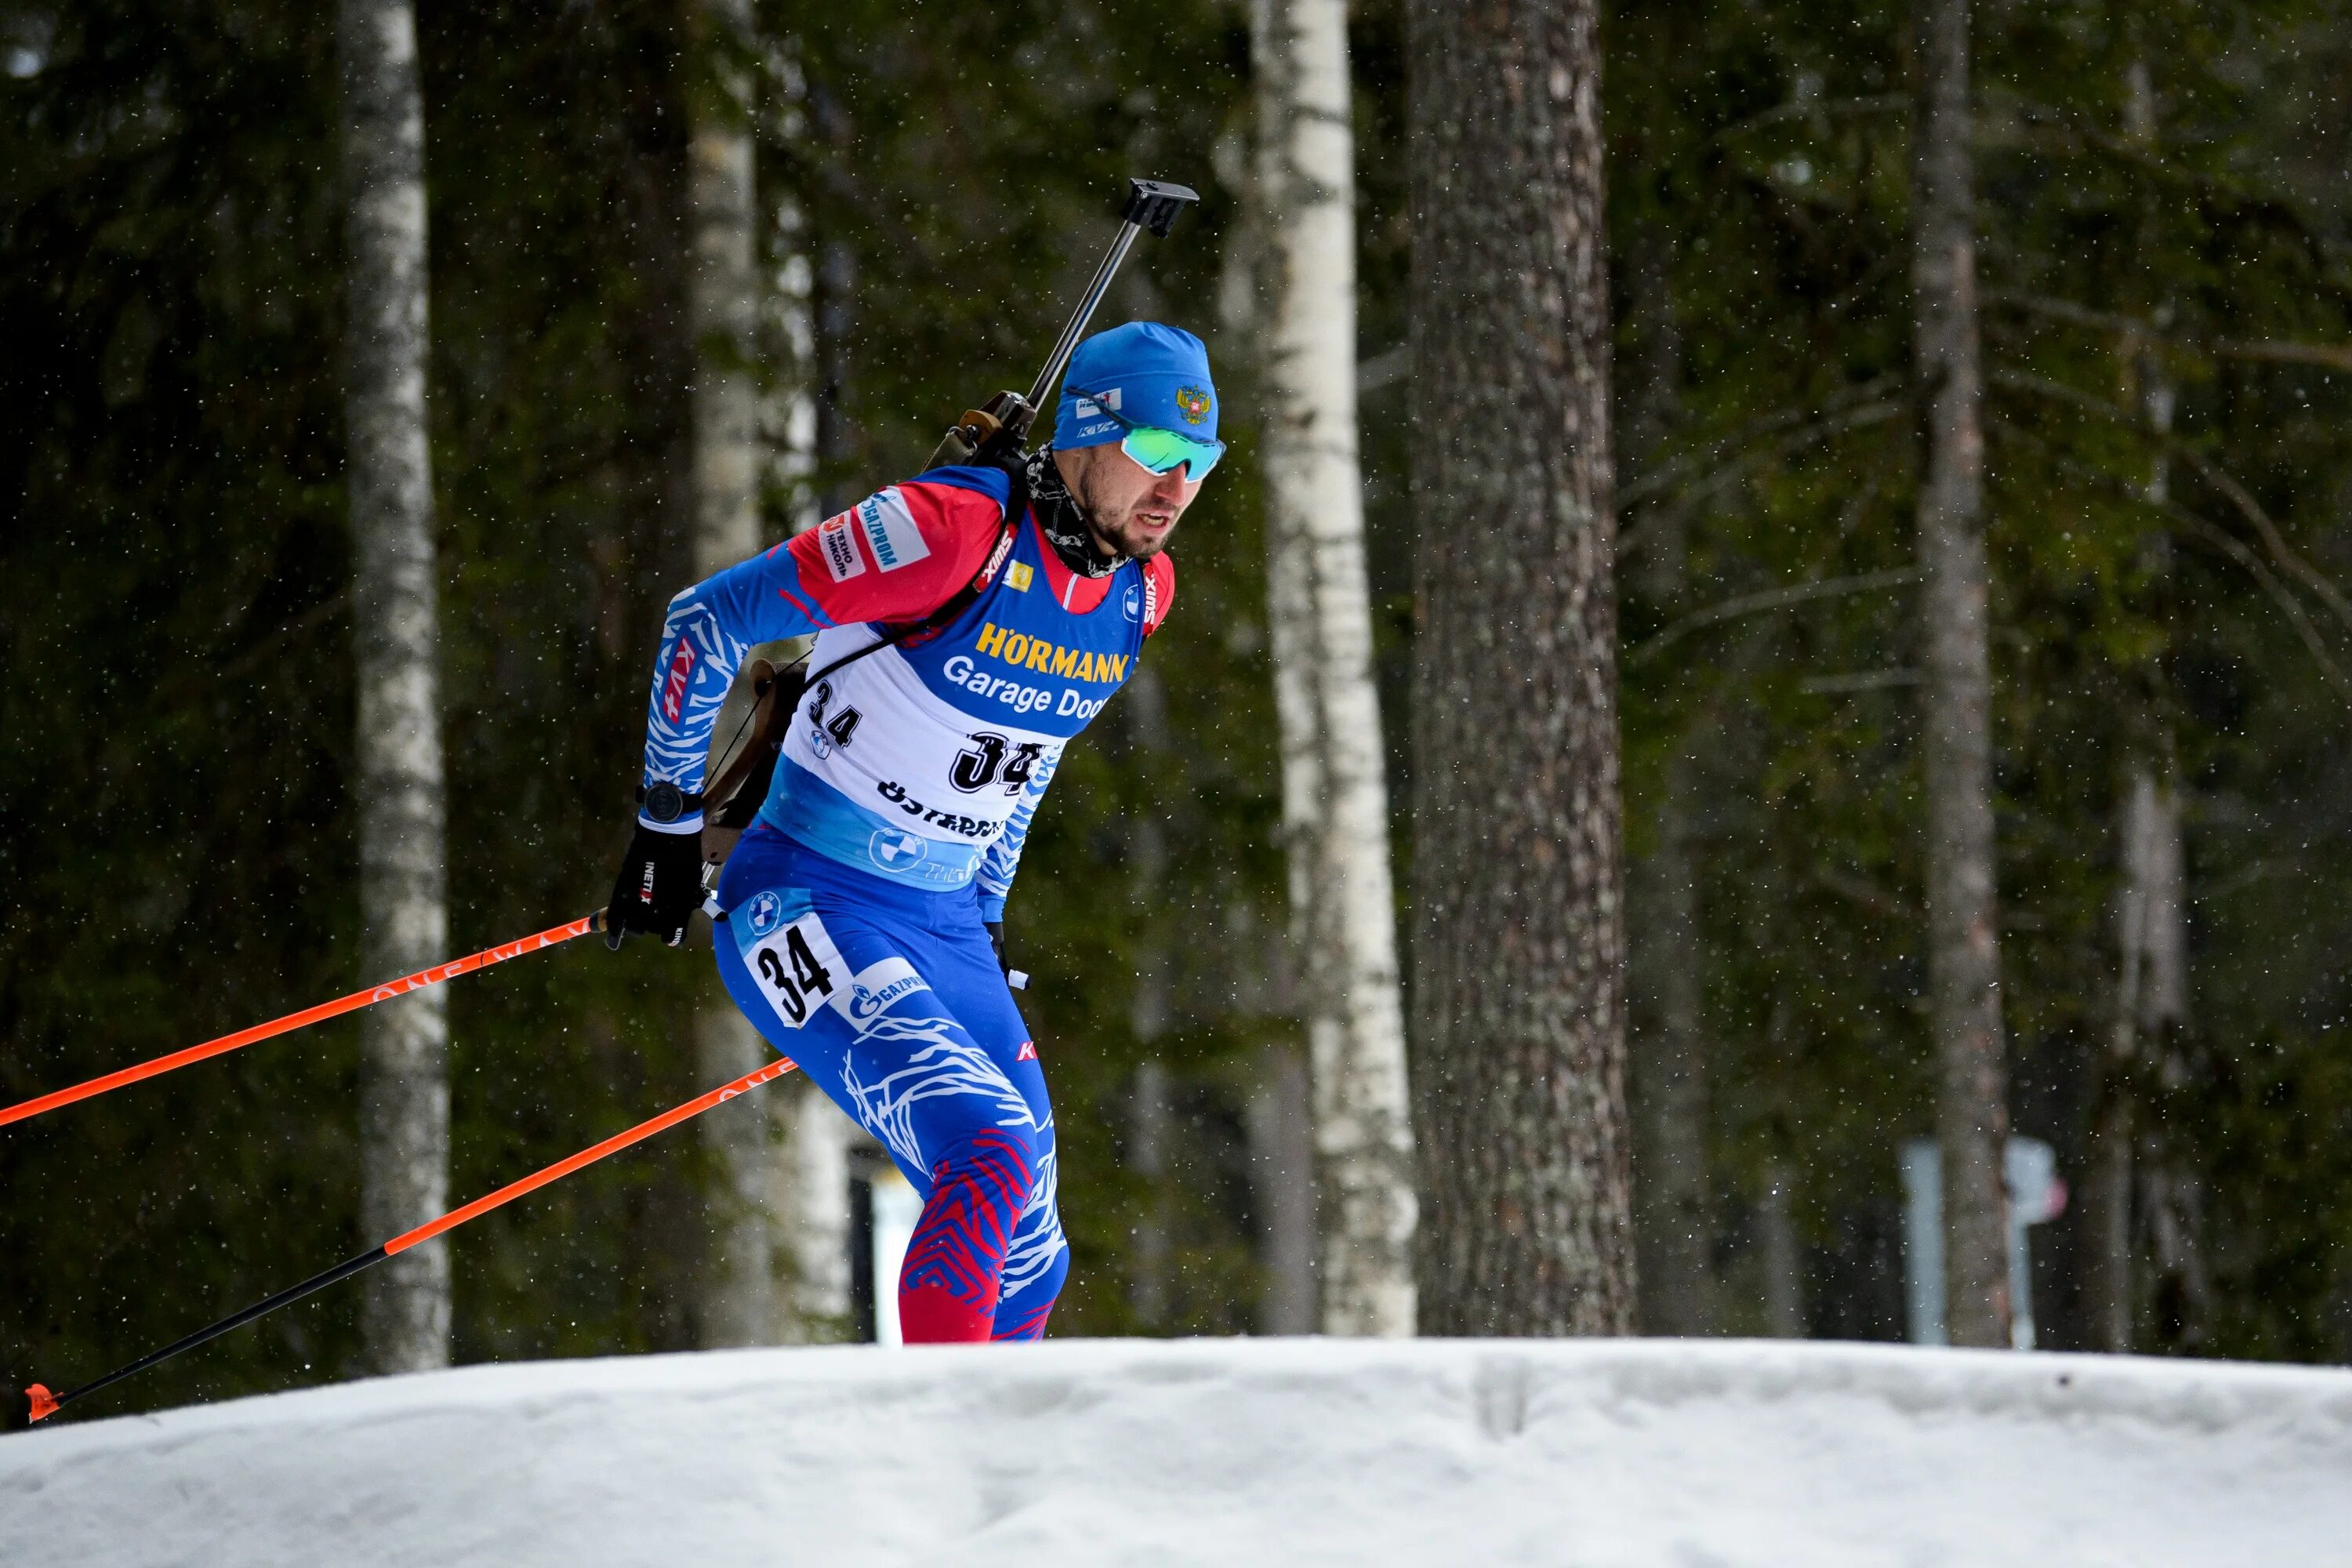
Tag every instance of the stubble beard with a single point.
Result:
(1127, 541)
(1120, 538)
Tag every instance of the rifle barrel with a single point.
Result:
(1067, 344)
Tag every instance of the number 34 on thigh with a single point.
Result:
(798, 967)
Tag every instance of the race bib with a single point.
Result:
(798, 968)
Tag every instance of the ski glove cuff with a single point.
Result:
(659, 887)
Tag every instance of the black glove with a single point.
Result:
(997, 939)
(659, 887)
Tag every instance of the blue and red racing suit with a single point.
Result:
(855, 939)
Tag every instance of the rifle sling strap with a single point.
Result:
(748, 784)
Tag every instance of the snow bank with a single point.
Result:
(1230, 1453)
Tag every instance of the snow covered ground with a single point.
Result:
(1225, 1453)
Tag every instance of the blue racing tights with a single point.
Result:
(890, 999)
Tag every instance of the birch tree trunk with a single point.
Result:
(2151, 1004)
(810, 1201)
(1281, 1119)
(1519, 1047)
(404, 1043)
(1963, 956)
(2151, 1022)
(737, 1301)
(1334, 788)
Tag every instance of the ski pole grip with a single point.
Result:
(1154, 204)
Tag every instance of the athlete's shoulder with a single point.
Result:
(1159, 591)
(905, 550)
(991, 484)
(946, 520)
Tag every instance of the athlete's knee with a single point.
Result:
(954, 1275)
(1034, 1277)
(996, 1170)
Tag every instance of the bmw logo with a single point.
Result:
(765, 912)
(1131, 606)
(895, 851)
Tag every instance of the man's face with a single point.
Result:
(1131, 511)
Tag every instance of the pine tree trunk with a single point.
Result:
(1518, 947)
(1282, 1187)
(2151, 1002)
(1143, 712)
(1150, 1119)
(2106, 1213)
(792, 420)
(1784, 1279)
(1670, 1074)
(1669, 1070)
(737, 1298)
(403, 1045)
(1335, 791)
(1964, 957)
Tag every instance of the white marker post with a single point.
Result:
(2036, 1195)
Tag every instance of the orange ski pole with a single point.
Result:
(320, 1014)
(36, 1403)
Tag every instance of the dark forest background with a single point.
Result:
(177, 852)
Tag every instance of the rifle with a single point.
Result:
(995, 435)
(999, 428)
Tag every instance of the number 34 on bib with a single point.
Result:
(798, 967)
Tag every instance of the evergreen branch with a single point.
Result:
(1851, 409)
(2211, 472)
(2067, 310)
(267, 645)
(1811, 109)
(1858, 681)
(2199, 528)
(1862, 891)
(1769, 599)
(2251, 510)
(2326, 356)
(2055, 124)
(2235, 548)
(1690, 499)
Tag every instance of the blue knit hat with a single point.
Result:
(1145, 373)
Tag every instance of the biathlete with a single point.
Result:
(863, 933)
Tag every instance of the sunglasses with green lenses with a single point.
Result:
(1156, 450)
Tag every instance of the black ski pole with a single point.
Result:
(21, 1408)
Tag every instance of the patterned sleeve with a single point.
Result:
(896, 555)
(994, 878)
